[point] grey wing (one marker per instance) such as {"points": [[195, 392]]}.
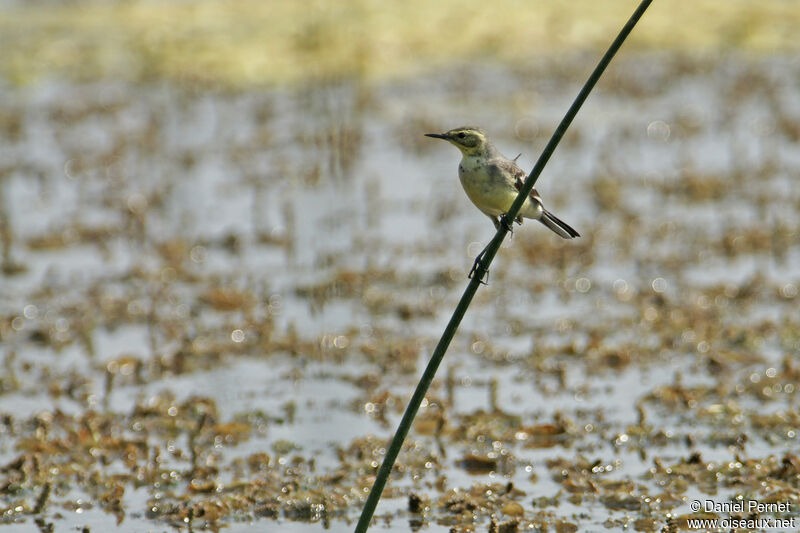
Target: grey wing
{"points": [[506, 170], [515, 176], [519, 181]]}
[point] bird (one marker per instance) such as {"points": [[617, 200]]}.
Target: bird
{"points": [[492, 181]]}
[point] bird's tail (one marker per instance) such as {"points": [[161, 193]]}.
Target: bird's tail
{"points": [[557, 225]]}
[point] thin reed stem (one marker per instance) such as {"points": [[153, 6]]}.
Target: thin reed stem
{"points": [[482, 268]]}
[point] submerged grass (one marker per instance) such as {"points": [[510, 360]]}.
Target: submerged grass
{"points": [[159, 370], [246, 42]]}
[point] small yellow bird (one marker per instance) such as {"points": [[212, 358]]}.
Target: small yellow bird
{"points": [[492, 181]]}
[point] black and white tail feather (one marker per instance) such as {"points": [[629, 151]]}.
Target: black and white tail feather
{"points": [[557, 225]]}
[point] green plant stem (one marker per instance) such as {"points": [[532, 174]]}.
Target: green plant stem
{"points": [[483, 267]]}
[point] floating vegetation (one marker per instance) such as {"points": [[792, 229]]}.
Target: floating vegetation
{"points": [[215, 305]]}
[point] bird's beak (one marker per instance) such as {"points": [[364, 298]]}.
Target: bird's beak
{"points": [[437, 135]]}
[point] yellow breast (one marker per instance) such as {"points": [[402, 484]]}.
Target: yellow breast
{"points": [[489, 195]]}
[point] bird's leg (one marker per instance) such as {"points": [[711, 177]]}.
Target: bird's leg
{"points": [[506, 224], [477, 264], [502, 221]]}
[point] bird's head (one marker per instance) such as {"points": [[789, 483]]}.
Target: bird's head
{"points": [[469, 139]]}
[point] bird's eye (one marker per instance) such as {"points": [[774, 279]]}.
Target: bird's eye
{"points": [[461, 135]]}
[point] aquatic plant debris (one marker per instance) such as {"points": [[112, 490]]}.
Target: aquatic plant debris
{"points": [[182, 347]]}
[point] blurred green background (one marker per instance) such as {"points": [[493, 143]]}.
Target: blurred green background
{"points": [[245, 42]]}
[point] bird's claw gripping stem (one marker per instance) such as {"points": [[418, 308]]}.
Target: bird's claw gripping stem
{"points": [[507, 224], [484, 277]]}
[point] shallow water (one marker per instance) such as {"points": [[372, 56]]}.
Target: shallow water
{"points": [[207, 276]]}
